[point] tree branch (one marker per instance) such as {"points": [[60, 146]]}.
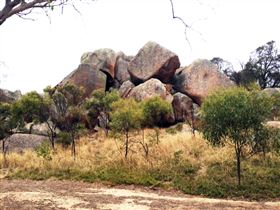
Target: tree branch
{"points": [[181, 20], [17, 7]]}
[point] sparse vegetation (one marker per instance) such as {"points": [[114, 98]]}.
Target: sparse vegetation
{"points": [[180, 161]]}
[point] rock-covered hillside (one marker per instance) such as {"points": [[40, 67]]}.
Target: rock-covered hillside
{"points": [[154, 71]]}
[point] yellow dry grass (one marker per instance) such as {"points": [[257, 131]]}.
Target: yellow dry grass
{"points": [[98, 150]]}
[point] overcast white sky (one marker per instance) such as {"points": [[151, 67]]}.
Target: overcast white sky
{"points": [[39, 53]]}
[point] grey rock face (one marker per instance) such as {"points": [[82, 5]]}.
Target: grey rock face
{"points": [[199, 79], [153, 61]]}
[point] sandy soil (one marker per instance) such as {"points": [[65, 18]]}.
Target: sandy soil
{"points": [[25, 194]]}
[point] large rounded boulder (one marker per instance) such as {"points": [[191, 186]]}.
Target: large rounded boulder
{"points": [[86, 77], [22, 142], [183, 107], [121, 68], [102, 59], [149, 89], [271, 91], [153, 61], [126, 88], [199, 79]]}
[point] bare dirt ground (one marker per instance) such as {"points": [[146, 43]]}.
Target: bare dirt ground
{"points": [[51, 194]]}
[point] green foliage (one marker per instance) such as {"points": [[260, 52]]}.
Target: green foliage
{"points": [[72, 93], [102, 101], [233, 114], [126, 116], [275, 114], [67, 112], [64, 138], [252, 86], [264, 65], [274, 140], [7, 123], [44, 151], [100, 105], [30, 108], [155, 110]]}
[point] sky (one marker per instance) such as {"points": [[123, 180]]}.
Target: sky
{"points": [[40, 52]]}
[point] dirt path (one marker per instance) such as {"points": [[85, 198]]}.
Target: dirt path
{"points": [[77, 195]]}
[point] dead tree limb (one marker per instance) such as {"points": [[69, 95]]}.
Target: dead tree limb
{"points": [[25, 7], [181, 20]]}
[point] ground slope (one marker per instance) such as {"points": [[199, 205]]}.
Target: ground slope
{"points": [[24, 194]]}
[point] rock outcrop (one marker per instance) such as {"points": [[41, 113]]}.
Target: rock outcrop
{"points": [[121, 69], [7, 96], [271, 91], [183, 107], [199, 79], [87, 77], [125, 89], [149, 89], [22, 142], [153, 61], [103, 60], [154, 71]]}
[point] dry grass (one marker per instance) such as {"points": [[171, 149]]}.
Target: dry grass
{"points": [[98, 150], [179, 161]]}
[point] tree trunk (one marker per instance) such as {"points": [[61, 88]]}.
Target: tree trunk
{"points": [[3, 146], [73, 146], [146, 150], [238, 162], [30, 129], [51, 135], [126, 145], [192, 122], [4, 153], [52, 142], [157, 135]]}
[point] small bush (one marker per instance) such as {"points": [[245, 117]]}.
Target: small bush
{"points": [[44, 151], [64, 139]]}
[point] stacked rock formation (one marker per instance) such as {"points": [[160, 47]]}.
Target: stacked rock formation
{"points": [[154, 71]]}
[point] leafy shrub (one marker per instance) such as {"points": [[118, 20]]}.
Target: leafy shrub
{"points": [[44, 151], [64, 139]]}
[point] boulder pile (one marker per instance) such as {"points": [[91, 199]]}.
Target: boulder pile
{"points": [[154, 71]]}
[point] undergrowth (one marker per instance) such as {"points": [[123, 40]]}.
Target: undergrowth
{"points": [[180, 161]]}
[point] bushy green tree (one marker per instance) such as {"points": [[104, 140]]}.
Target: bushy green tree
{"points": [[264, 65], [155, 112], [234, 115], [67, 111], [100, 105], [7, 124], [126, 116], [35, 108], [31, 108]]}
